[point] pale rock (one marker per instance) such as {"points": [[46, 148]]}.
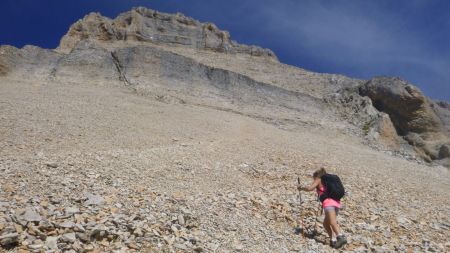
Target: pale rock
{"points": [[181, 220], [35, 246], [31, 215], [138, 232], [67, 224], [79, 228], [72, 210], [51, 242], [93, 199], [82, 237], [68, 238]]}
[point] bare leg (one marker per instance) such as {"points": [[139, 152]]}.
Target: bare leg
{"points": [[326, 224], [331, 214], [332, 220]]}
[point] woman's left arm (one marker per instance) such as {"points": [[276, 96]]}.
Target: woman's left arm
{"points": [[311, 187]]}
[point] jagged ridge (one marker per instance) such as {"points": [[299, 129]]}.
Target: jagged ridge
{"points": [[148, 26]]}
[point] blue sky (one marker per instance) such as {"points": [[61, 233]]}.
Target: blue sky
{"points": [[357, 38]]}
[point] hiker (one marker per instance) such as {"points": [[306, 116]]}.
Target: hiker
{"points": [[330, 207]]}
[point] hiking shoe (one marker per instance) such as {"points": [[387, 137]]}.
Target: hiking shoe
{"points": [[340, 242], [332, 243]]}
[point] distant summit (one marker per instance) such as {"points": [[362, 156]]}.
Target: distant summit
{"points": [[144, 25]]}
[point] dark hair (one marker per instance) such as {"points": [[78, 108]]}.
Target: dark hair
{"points": [[319, 173]]}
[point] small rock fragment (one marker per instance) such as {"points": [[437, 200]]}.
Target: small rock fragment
{"points": [[31, 215], [8, 240], [72, 210], [93, 200], [51, 242], [35, 246], [181, 220], [67, 224], [52, 165], [69, 237]]}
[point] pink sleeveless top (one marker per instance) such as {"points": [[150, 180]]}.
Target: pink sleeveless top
{"points": [[328, 201]]}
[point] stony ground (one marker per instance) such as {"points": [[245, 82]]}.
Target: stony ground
{"points": [[88, 168]]}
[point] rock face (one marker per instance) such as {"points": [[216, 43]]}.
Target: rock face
{"points": [[442, 109], [157, 55], [87, 61], [3, 69], [28, 63], [376, 126], [148, 26], [413, 115], [193, 82]]}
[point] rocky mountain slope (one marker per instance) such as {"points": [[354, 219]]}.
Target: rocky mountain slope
{"points": [[155, 132]]}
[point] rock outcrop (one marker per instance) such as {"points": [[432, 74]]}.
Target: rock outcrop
{"points": [[413, 115], [376, 126], [409, 109], [87, 62], [28, 63], [3, 69], [442, 110], [143, 25]]}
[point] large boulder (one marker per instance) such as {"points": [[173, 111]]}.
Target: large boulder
{"points": [[414, 116], [409, 109], [384, 131]]}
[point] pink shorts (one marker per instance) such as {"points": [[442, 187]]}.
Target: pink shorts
{"points": [[329, 202]]}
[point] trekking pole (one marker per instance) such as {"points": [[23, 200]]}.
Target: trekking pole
{"points": [[300, 201], [316, 223]]}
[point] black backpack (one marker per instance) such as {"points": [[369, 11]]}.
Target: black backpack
{"points": [[334, 187]]}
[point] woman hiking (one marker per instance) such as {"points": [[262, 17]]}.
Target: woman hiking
{"points": [[330, 206]]}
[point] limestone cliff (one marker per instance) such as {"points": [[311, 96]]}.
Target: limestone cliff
{"points": [[148, 26], [177, 59]]}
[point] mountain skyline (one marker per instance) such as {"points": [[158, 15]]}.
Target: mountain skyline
{"points": [[352, 38]]}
